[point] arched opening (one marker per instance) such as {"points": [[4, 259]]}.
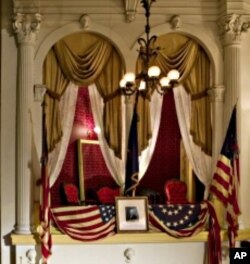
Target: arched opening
{"points": [[82, 60]]}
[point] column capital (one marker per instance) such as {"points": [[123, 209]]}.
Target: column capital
{"points": [[26, 26], [231, 27], [217, 93]]}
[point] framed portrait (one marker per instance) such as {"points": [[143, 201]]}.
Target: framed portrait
{"points": [[131, 214]]}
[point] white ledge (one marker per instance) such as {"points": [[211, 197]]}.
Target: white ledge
{"points": [[128, 238]]}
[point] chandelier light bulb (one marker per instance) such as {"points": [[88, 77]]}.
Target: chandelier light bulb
{"points": [[122, 83], [97, 129], [142, 85], [164, 81], [174, 75], [129, 77], [154, 71]]}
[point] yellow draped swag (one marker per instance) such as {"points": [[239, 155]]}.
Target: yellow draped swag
{"points": [[84, 58], [186, 55]]}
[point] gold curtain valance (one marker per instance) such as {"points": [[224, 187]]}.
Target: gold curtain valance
{"points": [[187, 56], [84, 58]]}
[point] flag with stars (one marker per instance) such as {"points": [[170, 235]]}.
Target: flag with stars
{"points": [[179, 220], [85, 223]]}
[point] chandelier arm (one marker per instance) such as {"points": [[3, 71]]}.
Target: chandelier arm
{"points": [[149, 77], [129, 89], [142, 42]]}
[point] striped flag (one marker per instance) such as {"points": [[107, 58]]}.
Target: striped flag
{"points": [[85, 223], [44, 228], [226, 179]]}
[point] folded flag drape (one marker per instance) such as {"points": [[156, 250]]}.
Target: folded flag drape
{"points": [[225, 180], [85, 223], [181, 220]]}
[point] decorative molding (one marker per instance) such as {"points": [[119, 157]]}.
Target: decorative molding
{"points": [[175, 22], [129, 255], [39, 92], [85, 21], [31, 256], [217, 93], [123, 238], [26, 26], [130, 10], [233, 25]]}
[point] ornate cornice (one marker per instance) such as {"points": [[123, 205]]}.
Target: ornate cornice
{"points": [[26, 26], [232, 26]]}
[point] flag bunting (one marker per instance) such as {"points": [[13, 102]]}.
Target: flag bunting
{"points": [[85, 223]]}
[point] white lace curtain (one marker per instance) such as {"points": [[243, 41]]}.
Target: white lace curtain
{"points": [[67, 107], [155, 116], [200, 162], [115, 165]]}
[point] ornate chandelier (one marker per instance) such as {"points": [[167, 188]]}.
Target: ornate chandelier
{"points": [[150, 76]]}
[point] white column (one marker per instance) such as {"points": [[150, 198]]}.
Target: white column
{"points": [[217, 101], [26, 26], [231, 28]]}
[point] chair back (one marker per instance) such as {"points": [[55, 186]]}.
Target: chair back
{"points": [[176, 192]]}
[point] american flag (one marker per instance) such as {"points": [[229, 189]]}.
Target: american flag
{"points": [[226, 179], [180, 220], [85, 223]]}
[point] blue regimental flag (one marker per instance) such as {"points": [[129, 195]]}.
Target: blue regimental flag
{"points": [[132, 163]]}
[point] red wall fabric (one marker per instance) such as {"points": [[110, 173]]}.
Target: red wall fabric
{"points": [[68, 174], [165, 162]]}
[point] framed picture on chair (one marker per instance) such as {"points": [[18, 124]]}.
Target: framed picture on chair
{"points": [[131, 214]]}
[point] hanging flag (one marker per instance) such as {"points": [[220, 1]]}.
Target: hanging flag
{"points": [[44, 228], [226, 179], [132, 163]]}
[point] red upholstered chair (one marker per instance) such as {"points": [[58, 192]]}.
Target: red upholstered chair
{"points": [[71, 194], [106, 195], [176, 192]]}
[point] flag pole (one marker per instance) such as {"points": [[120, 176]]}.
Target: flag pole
{"points": [[132, 164]]}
